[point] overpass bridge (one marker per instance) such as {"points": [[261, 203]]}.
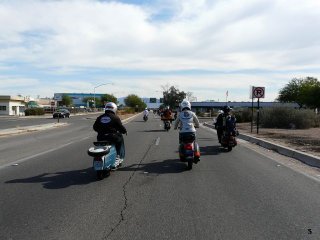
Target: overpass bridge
{"points": [[207, 106]]}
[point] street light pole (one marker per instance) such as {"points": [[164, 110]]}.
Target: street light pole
{"points": [[94, 93]]}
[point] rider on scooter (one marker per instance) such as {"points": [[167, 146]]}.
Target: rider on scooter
{"points": [[145, 112], [167, 114], [187, 120], [109, 128], [225, 122]]}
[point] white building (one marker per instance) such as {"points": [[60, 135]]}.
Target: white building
{"points": [[12, 105]]}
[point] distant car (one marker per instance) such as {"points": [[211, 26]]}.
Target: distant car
{"points": [[61, 113]]}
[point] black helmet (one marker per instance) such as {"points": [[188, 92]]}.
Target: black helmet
{"points": [[226, 109]]}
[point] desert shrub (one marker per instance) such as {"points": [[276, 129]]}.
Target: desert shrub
{"points": [[317, 121], [203, 114], [34, 111], [128, 110], [280, 117], [243, 115]]}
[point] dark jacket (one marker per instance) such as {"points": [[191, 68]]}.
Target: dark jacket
{"points": [[226, 122], [219, 121], [108, 123]]}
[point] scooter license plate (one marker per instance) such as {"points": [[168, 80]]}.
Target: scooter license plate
{"points": [[188, 152], [98, 164]]}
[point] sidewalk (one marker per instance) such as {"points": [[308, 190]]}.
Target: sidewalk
{"points": [[306, 158]]}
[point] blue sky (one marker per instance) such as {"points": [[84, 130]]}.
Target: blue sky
{"points": [[199, 46]]}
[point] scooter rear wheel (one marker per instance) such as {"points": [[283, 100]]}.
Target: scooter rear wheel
{"points": [[100, 175], [189, 164]]}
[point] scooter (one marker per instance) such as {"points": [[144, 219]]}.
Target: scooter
{"points": [[104, 158], [175, 116], [167, 125], [228, 140], [189, 150], [145, 118]]}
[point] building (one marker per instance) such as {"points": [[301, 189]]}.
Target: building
{"points": [[12, 105], [42, 103], [77, 98]]}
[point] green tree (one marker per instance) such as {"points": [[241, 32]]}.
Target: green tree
{"points": [[108, 98], [66, 100], [90, 100], [134, 101], [303, 91], [172, 97], [310, 92]]}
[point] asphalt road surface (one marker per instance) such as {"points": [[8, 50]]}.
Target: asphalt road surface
{"points": [[14, 121], [48, 189]]}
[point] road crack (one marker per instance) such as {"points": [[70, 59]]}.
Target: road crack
{"points": [[124, 189]]}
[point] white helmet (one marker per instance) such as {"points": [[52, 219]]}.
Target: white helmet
{"points": [[185, 104], [110, 106]]}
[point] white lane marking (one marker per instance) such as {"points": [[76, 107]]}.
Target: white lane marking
{"points": [[157, 141], [127, 120], [16, 163]]}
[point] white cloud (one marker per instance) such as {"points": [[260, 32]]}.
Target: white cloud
{"points": [[9, 81], [110, 34], [209, 35]]}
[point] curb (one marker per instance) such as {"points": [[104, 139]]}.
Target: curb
{"points": [[308, 159], [33, 128]]}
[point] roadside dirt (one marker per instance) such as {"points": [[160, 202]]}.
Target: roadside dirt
{"points": [[305, 140]]}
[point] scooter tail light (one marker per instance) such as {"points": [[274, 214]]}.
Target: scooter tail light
{"points": [[197, 154], [188, 146]]}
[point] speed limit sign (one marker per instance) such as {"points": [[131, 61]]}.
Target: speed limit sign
{"points": [[258, 92]]}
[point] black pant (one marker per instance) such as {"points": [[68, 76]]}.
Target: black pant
{"points": [[219, 133], [187, 136], [116, 139]]}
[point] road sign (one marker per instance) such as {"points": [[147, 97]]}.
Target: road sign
{"points": [[258, 92], [153, 100]]}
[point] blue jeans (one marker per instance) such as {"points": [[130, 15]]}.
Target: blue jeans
{"points": [[116, 139]]}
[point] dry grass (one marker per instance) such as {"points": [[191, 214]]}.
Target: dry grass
{"points": [[306, 140]]}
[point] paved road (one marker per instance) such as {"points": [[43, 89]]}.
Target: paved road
{"points": [[14, 121], [53, 194]]}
